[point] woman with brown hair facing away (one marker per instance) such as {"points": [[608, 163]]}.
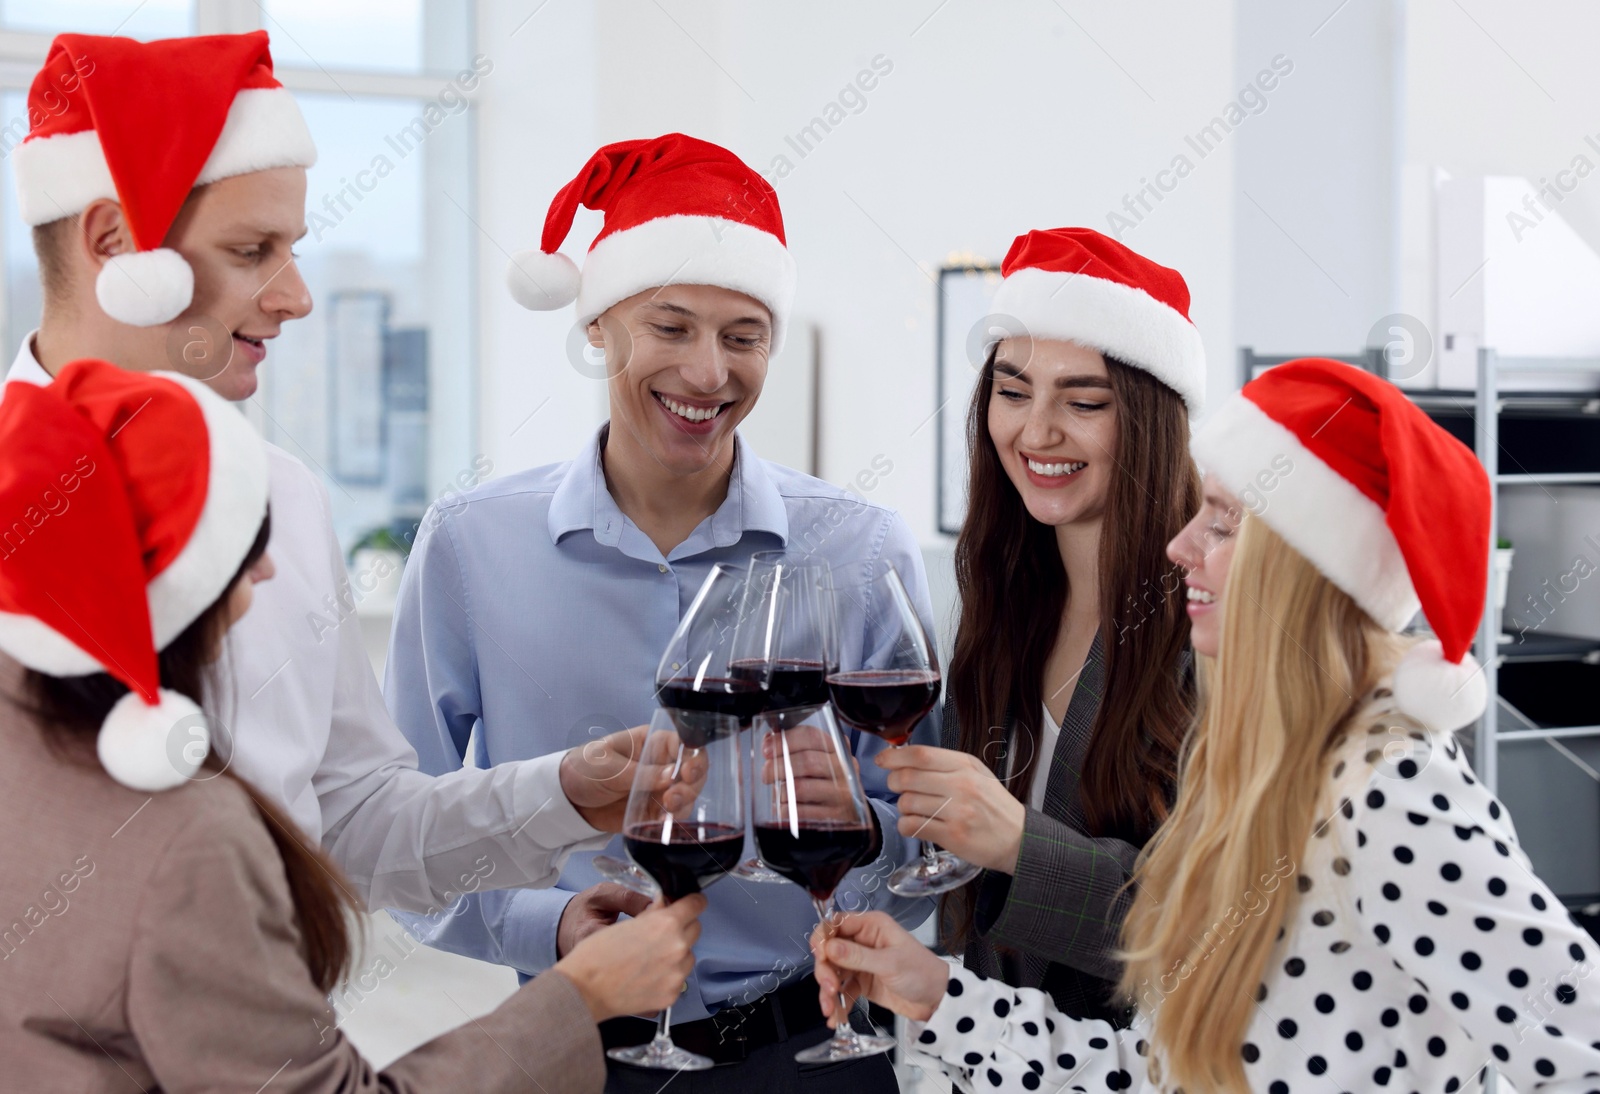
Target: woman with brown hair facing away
{"points": [[1336, 902], [1070, 686], [171, 930]]}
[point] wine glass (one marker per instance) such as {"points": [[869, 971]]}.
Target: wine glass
{"points": [[684, 828], [813, 825], [788, 607], [886, 687]]}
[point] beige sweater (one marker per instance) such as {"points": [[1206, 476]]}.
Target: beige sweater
{"points": [[149, 942]]}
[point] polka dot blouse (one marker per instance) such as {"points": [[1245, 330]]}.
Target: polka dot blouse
{"points": [[1421, 948]]}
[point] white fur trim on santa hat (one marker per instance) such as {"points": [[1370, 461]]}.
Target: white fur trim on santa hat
{"points": [[689, 250], [236, 503], [145, 288], [60, 176], [540, 281], [1118, 320], [42, 648], [153, 748], [265, 129], [1316, 510], [1443, 694]]}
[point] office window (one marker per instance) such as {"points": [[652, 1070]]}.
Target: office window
{"points": [[374, 391], [150, 19]]}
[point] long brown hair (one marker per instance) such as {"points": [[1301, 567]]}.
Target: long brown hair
{"points": [[1014, 590], [1296, 657], [70, 709]]}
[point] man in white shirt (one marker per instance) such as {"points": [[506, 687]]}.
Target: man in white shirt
{"points": [[150, 262]]}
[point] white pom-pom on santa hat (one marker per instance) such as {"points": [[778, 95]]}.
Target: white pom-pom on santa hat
{"points": [[542, 281], [138, 746], [1437, 692], [145, 288]]}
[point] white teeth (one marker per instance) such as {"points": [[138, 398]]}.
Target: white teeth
{"points": [[1200, 596], [1055, 468], [692, 413]]}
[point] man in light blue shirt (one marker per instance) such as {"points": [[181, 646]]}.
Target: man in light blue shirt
{"points": [[535, 608]]}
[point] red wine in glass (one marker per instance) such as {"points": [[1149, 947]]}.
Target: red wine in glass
{"points": [[815, 855], [686, 697], [691, 857], [792, 682], [887, 703]]}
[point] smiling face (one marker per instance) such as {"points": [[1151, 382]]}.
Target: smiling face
{"points": [[1053, 423], [238, 234], [686, 364], [1205, 551]]}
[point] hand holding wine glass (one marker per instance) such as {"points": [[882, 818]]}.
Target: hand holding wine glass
{"points": [[885, 686], [685, 814], [639, 964], [596, 777], [869, 955], [952, 799], [813, 824]]}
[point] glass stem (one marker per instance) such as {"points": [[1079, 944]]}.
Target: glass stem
{"points": [[844, 1033], [664, 1027], [930, 855]]}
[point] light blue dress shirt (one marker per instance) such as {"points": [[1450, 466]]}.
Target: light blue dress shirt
{"points": [[532, 609]]}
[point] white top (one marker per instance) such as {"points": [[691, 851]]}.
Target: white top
{"points": [[1050, 729], [310, 730], [1420, 947]]}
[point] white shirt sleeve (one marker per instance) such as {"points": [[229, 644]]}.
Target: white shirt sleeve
{"points": [[406, 839]]}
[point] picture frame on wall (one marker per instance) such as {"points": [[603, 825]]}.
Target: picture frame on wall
{"points": [[965, 296]]}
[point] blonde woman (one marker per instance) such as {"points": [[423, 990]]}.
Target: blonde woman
{"points": [[1336, 902]]}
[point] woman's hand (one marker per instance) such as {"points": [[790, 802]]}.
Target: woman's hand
{"points": [[870, 954], [640, 965], [952, 799]]}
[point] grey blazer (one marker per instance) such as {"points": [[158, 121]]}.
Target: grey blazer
{"points": [[1054, 923]]}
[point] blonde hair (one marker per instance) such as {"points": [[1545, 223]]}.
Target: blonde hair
{"points": [[1296, 656]]}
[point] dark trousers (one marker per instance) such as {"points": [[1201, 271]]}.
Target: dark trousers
{"points": [[770, 1069]]}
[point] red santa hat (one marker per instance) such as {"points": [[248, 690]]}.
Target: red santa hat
{"points": [[1077, 285], [127, 503], [1386, 504], [678, 211], [143, 123]]}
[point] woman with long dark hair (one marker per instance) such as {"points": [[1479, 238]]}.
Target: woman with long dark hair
{"points": [[1336, 902], [1069, 688], [167, 926]]}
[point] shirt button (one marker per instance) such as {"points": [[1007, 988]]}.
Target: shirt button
{"points": [[662, 567], [675, 665]]}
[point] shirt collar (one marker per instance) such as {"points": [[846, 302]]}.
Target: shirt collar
{"points": [[26, 366], [581, 501]]}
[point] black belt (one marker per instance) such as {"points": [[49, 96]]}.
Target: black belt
{"points": [[733, 1033]]}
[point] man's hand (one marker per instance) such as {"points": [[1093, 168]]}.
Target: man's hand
{"points": [[595, 909], [596, 777], [952, 799]]}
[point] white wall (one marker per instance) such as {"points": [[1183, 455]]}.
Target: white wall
{"points": [[1317, 253], [994, 119], [535, 128]]}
